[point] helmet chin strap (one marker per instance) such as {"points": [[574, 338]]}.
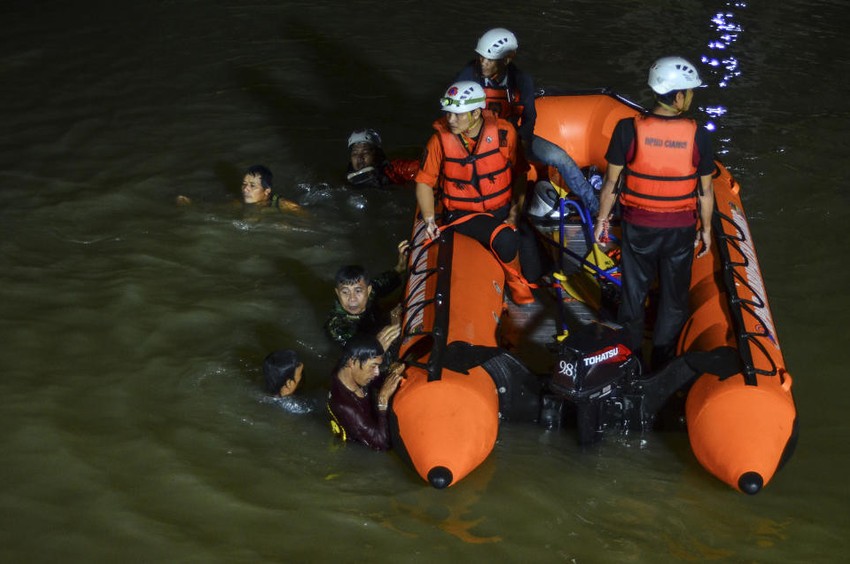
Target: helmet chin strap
{"points": [[674, 110], [475, 126]]}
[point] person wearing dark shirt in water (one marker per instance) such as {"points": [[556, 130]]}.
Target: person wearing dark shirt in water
{"points": [[358, 411]]}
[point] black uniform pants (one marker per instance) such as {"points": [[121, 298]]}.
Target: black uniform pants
{"points": [[481, 227], [667, 253]]}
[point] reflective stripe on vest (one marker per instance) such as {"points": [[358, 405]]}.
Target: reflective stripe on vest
{"points": [[662, 176]]}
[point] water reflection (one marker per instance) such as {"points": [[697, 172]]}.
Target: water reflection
{"points": [[719, 57], [729, 31], [134, 330]]}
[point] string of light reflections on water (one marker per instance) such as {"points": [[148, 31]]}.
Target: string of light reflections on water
{"points": [[720, 58]]}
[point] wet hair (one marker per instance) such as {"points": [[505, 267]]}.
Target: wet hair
{"points": [[351, 274], [263, 172], [361, 347], [278, 369]]}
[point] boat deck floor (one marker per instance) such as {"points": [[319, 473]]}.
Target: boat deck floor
{"points": [[530, 331]]}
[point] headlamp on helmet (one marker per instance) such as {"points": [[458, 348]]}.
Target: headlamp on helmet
{"points": [[462, 97]]}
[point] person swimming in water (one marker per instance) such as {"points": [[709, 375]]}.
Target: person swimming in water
{"points": [[368, 166], [257, 192], [282, 372]]}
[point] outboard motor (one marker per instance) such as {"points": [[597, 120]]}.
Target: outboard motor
{"points": [[596, 373]]}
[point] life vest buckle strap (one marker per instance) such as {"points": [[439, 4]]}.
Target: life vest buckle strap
{"points": [[629, 172]]}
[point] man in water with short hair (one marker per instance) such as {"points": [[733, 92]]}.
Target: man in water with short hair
{"points": [[257, 192], [357, 411], [357, 308]]}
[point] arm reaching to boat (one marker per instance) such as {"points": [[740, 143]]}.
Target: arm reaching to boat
{"points": [[607, 198], [390, 385], [706, 210], [425, 199], [358, 412], [388, 334]]}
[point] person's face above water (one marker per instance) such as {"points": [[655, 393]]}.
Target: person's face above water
{"points": [[365, 372], [362, 155], [253, 191], [354, 297], [292, 384]]}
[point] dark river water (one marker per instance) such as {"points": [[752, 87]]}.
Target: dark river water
{"points": [[133, 426]]}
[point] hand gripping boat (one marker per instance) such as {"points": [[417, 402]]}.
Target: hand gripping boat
{"points": [[740, 413], [459, 384]]}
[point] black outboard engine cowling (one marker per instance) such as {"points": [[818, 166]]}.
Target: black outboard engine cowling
{"points": [[596, 373]]}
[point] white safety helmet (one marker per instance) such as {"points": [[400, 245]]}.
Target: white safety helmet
{"points": [[544, 202], [673, 73], [496, 44], [463, 96], [364, 136]]}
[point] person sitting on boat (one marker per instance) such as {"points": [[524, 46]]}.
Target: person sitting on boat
{"points": [[510, 95], [368, 166], [358, 411], [666, 164], [357, 308], [470, 159], [282, 372]]}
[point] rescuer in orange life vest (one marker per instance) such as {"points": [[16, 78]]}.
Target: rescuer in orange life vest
{"points": [[666, 165], [471, 159], [510, 95]]}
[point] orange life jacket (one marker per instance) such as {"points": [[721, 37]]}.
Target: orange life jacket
{"points": [[662, 176], [480, 181], [504, 102]]}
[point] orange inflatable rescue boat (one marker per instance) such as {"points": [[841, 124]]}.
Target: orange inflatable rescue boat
{"points": [[445, 421], [740, 413], [458, 386], [742, 421]]}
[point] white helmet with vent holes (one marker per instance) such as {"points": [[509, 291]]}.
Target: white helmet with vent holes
{"points": [[463, 96], [673, 73], [496, 44]]}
